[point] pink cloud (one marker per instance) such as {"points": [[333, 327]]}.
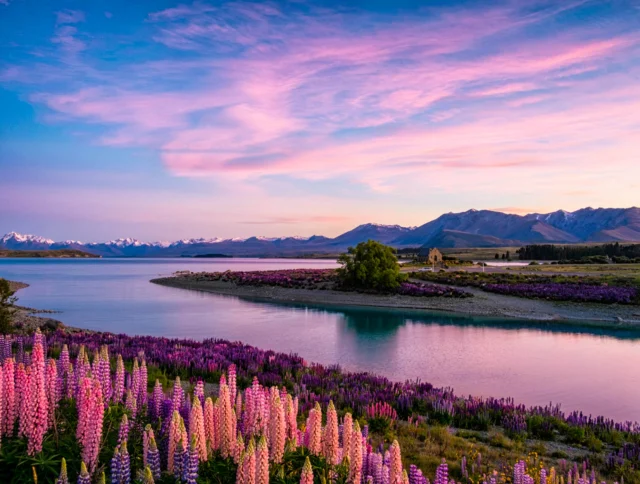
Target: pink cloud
{"points": [[424, 101]]}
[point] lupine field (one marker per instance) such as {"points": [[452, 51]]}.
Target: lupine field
{"points": [[314, 279], [98, 407], [553, 287]]}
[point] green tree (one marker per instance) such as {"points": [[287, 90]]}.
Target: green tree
{"points": [[371, 265], [7, 302]]}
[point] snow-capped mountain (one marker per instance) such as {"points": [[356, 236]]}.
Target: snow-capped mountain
{"points": [[473, 228]]}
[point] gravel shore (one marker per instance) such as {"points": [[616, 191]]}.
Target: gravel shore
{"points": [[24, 319], [482, 304]]}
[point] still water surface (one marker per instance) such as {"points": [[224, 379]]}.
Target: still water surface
{"points": [[594, 371]]}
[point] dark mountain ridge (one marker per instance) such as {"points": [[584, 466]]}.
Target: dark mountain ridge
{"points": [[473, 228]]}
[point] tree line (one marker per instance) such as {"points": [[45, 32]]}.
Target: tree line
{"points": [[577, 252]]}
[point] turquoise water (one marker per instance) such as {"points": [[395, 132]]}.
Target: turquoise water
{"points": [[593, 371]]}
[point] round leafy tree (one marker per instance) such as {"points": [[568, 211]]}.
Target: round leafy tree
{"points": [[370, 265]]}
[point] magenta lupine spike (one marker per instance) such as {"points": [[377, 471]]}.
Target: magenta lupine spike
{"points": [[306, 476], [93, 434], [147, 433], [355, 459], [442, 473], [38, 403], [51, 383], [9, 397], [247, 415], [1, 400], [277, 431], [83, 405], [23, 398], [395, 464], [347, 433], [209, 423], [262, 462], [118, 387], [157, 398], [142, 395], [543, 476], [232, 383], [330, 439], [196, 429]]}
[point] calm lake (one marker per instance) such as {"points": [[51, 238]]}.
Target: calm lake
{"points": [[594, 371]]}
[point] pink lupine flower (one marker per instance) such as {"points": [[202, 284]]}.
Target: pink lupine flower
{"points": [[347, 432], [147, 436], [196, 429], [135, 379], [232, 383], [278, 428], [314, 430], [395, 464], [227, 417], [198, 391], [8, 396], [104, 372], [238, 450], [93, 436], [1, 399], [355, 459], [123, 431], [238, 407], [23, 397], [209, 423], [249, 464], [52, 389], [247, 415], [306, 476], [262, 462], [217, 425], [83, 404], [118, 390], [38, 403], [177, 396], [174, 438], [291, 418], [330, 436], [240, 477]]}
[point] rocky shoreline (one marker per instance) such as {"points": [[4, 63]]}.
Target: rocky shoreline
{"points": [[482, 304], [25, 319]]}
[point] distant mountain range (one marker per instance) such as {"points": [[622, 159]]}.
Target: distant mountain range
{"points": [[473, 228]]}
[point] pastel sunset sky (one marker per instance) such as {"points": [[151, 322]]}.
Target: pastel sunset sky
{"points": [[163, 120]]}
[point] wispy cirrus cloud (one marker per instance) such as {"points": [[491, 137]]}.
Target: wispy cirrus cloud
{"points": [[443, 94]]}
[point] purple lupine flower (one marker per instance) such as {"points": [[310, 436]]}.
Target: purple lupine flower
{"points": [[191, 466], [153, 458], [157, 399], [442, 473]]}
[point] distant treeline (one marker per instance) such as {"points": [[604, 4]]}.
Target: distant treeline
{"points": [[615, 252]]}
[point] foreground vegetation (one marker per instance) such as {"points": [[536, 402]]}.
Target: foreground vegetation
{"points": [[271, 418]]}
